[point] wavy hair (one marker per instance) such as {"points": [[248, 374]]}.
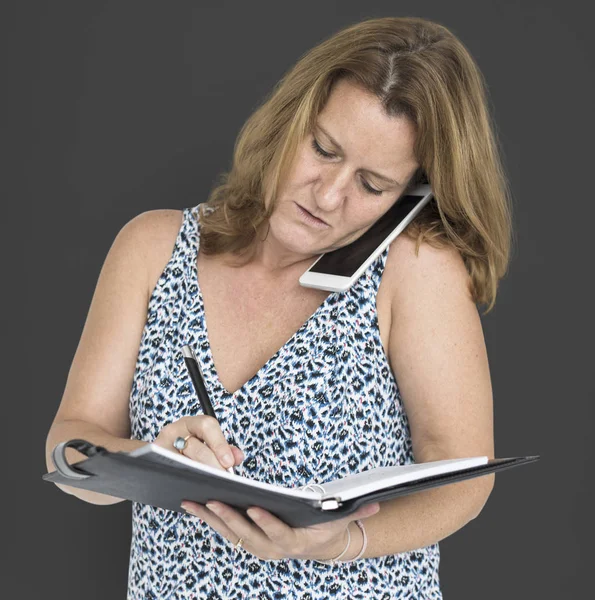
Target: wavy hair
{"points": [[418, 69]]}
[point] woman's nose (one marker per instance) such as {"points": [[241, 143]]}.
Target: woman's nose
{"points": [[333, 189]]}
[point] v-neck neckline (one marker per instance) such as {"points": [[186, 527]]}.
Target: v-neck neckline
{"points": [[194, 260]]}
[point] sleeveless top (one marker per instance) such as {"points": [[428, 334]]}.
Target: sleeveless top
{"points": [[325, 406]]}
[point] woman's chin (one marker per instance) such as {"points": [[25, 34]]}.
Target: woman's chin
{"points": [[306, 242]]}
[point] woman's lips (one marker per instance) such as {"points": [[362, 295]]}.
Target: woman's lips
{"points": [[309, 218]]}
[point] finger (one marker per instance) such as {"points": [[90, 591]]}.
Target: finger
{"points": [[208, 430], [242, 527], [361, 513], [200, 452], [365, 511], [211, 519], [238, 455], [274, 529]]}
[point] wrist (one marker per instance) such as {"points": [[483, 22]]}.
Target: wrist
{"points": [[356, 545], [335, 553]]}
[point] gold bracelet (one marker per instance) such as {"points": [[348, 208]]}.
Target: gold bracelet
{"points": [[332, 561]]}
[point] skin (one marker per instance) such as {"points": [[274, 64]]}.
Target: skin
{"points": [[333, 188], [434, 341], [436, 345]]}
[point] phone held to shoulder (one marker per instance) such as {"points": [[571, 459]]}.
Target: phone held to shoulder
{"points": [[338, 270]]}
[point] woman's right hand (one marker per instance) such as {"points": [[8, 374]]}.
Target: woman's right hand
{"points": [[206, 444]]}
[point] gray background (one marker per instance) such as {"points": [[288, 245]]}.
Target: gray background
{"points": [[130, 106]]}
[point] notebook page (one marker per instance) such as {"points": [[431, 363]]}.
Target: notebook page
{"points": [[157, 454], [379, 478]]}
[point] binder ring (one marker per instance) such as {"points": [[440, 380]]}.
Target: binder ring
{"points": [[61, 464], [311, 487]]}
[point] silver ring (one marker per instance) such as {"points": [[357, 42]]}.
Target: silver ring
{"points": [[181, 442]]}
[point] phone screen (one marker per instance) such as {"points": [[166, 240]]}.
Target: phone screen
{"points": [[346, 260]]}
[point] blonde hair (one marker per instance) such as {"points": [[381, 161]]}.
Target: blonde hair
{"points": [[418, 69]]}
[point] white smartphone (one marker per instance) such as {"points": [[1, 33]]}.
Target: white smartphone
{"points": [[336, 271]]}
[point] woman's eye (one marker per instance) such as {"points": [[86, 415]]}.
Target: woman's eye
{"points": [[319, 150], [365, 184], [371, 189]]}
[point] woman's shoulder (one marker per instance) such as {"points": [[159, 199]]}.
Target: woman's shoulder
{"points": [[423, 270], [158, 229], [155, 233]]}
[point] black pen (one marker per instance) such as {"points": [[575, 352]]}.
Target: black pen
{"points": [[199, 384]]}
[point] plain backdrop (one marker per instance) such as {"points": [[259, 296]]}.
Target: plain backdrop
{"points": [[128, 106]]}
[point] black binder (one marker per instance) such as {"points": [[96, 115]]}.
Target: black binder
{"points": [[162, 478]]}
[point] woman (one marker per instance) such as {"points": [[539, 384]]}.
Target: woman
{"points": [[310, 386]]}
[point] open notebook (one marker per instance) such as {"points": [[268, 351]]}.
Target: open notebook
{"points": [[164, 478]]}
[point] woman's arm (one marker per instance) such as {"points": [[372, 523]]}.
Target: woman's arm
{"points": [[64, 430], [95, 402], [438, 355]]}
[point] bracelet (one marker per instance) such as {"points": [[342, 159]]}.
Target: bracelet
{"points": [[365, 543], [332, 561]]}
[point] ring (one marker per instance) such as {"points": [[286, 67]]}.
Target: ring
{"points": [[181, 442], [239, 544]]}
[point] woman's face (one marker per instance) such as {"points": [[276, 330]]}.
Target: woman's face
{"points": [[340, 189]]}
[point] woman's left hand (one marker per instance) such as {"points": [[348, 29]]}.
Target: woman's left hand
{"points": [[272, 539]]}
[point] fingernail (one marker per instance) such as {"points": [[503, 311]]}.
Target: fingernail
{"points": [[187, 509], [227, 460], [253, 514], [213, 508]]}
